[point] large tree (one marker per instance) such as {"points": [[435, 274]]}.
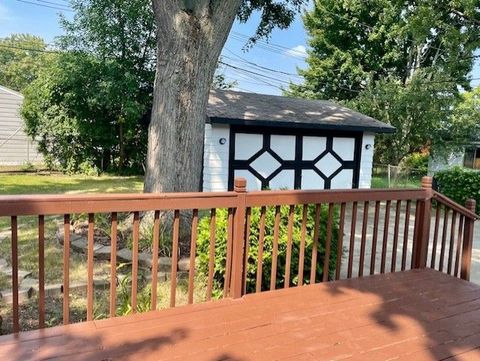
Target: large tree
{"points": [[21, 58], [403, 62], [356, 42], [190, 37]]}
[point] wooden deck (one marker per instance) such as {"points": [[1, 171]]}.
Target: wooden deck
{"points": [[412, 315]]}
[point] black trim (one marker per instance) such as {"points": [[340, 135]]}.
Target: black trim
{"points": [[297, 165], [304, 125]]}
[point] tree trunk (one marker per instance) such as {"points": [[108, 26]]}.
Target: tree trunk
{"points": [[190, 37]]}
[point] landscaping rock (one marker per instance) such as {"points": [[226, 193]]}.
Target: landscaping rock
{"points": [[23, 295], [103, 253], [3, 265], [80, 245], [29, 283], [182, 275], [53, 289], [144, 260], [184, 264], [21, 274], [164, 264], [124, 255]]}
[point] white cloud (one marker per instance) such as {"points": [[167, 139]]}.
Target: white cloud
{"points": [[299, 51]]}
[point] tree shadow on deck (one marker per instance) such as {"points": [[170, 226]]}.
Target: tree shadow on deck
{"points": [[420, 318], [91, 346]]}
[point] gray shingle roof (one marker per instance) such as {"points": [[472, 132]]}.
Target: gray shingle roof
{"points": [[230, 107]]}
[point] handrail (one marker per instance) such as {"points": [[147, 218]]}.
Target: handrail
{"points": [[454, 205]]}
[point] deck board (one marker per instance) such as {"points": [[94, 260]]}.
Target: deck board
{"points": [[413, 315]]}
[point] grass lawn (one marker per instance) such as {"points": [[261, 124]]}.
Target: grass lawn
{"points": [[382, 182], [31, 183], [34, 183]]}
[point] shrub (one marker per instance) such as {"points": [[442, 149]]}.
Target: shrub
{"points": [[417, 163], [459, 184], [221, 245]]}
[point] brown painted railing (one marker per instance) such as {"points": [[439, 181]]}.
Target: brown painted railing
{"points": [[377, 250]]}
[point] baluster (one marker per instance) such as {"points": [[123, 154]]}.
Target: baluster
{"points": [[193, 254], [435, 237], [90, 267], [173, 273], [395, 236], [211, 256], [316, 232], [301, 259], [113, 266], [459, 244], [373, 257], [247, 249], [289, 246], [385, 236], [444, 237], [352, 239], [228, 268], [452, 242], [276, 230], [326, 264], [340, 241], [261, 238], [15, 311], [66, 269], [405, 235], [363, 239], [136, 236], [155, 250], [41, 271]]}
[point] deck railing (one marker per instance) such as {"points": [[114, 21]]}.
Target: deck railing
{"points": [[352, 240]]}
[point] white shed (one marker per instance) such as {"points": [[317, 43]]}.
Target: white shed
{"points": [[16, 148], [280, 142]]}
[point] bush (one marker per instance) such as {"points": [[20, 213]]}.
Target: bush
{"points": [[221, 245], [459, 184], [417, 163]]}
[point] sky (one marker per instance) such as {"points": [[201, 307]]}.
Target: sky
{"points": [[251, 69]]}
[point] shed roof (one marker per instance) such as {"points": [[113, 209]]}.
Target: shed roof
{"points": [[231, 107]]}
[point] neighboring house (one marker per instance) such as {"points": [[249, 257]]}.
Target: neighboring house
{"points": [[281, 142], [16, 148], [469, 158]]}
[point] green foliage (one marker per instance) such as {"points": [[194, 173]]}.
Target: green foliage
{"points": [[416, 164], [356, 42], [221, 246], [124, 295], [402, 62], [84, 116], [459, 184], [21, 58], [421, 111]]}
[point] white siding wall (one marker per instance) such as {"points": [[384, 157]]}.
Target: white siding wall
{"points": [[366, 162], [215, 158], [15, 147]]}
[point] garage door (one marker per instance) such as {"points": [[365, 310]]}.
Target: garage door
{"points": [[294, 159]]}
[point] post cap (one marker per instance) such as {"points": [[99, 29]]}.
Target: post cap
{"points": [[471, 204], [427, 182], [240, 184]]}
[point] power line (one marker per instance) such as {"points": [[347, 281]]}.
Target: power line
{"points": [[46, 6]]}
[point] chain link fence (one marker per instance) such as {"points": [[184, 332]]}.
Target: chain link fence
{"points": [[391, 176]]}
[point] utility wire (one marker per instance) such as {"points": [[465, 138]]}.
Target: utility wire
{"points": [[46, 6]]}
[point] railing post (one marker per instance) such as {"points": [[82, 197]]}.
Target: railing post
{"points": [[240, 187], [422, 231], [467, 241]]}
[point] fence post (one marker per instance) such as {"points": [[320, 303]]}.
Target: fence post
{"points": [[422, 225], [467, 241], [240, 187]]}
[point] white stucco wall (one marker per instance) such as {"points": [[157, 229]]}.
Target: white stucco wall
{"points": [[366, 161], [216, 159]]}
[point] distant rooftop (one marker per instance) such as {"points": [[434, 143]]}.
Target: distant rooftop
{"points": [[231, 107]]}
